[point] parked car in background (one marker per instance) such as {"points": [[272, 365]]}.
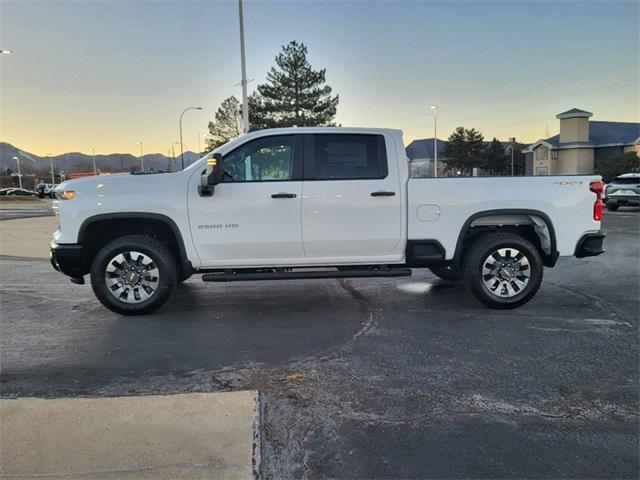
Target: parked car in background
{"points": [[7, 192], [623, 191], [46, 190]]}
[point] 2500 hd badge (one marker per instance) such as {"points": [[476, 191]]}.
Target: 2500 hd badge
{"points": [[218, 225]]}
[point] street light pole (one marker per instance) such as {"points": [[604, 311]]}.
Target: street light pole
{"points": [[139, 142], [245, 102], [435, 139], [93, 151], [17, 159], [181, 150], [53, 178]]}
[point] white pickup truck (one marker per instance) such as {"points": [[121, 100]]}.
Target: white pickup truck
{"points": [[301, 203]]}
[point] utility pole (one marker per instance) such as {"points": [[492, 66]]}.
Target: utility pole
{"points": [[435, 139], [53, 178], [245, 105]]}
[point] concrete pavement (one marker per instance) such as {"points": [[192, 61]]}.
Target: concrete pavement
{"points": [[27, 237], [185, 436]]}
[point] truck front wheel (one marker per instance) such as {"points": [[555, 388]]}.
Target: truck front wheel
{"points": [[503, 270], [133, 275]]}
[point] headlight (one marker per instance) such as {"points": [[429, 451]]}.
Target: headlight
{"points": [[66, 195]]}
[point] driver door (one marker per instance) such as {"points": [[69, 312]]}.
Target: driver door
{"points": [[254, 215]]}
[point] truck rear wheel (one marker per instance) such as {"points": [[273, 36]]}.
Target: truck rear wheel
{"points": [[133, 275], [503, 270]]}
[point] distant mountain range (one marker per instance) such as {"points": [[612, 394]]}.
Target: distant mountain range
{"points": [[80, 162]]}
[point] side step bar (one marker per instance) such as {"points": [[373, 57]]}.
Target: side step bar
{"points": [[253, 276]]}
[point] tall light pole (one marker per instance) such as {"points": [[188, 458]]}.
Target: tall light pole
{"points": [[181, 150], [245, 103], [53, 178], [435, 139], [139, 142], [17, 159], [93, 152], [180, 145]]}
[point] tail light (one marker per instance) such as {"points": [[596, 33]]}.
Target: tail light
{"points": [[597, 188]]}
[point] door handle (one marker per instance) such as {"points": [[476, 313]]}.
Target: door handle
{"points": [[382, 193], [283, 195]]}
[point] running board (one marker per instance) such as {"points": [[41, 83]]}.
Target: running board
{"points": [[254, 276]]}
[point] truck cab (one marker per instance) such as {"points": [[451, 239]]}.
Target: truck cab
{"points": [[304, 199]]}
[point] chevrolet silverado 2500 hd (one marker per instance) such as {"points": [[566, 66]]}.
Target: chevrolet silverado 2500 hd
{"points": [[288, 203]]}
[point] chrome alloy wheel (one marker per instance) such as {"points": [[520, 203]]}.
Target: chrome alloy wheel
{"points": [[132, 277], [506, 272]]}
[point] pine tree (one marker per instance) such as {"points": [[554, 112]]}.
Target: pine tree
{"points": [[227, 124], [464, 150], [494, 158], [294, 93]]}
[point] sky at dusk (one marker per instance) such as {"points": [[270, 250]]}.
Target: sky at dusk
{"points": [[106, 74]]}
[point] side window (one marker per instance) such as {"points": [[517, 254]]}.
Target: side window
{"points": [[348, 157], [261, 160]]}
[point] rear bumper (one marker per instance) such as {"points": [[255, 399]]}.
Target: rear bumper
{"points": [[69, 259], [590, 245], [625, 200]]}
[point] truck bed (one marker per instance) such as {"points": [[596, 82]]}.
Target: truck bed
{"points": [[437, 207]]}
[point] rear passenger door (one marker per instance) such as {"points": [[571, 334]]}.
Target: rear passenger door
{"points": [[351, 199]]}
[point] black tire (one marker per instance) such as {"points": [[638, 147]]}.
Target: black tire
{"points": [[150, 248], [449, 274], [481, 255], [612, 206]]}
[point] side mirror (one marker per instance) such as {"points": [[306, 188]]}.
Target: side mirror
{"points": [[213, 175]]}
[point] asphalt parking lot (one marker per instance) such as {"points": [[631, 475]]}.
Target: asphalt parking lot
{"points": [[25, 208], [370, 378]]}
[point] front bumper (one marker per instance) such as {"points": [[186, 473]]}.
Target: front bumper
{"points": [[69, 259], [590, 245]]}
